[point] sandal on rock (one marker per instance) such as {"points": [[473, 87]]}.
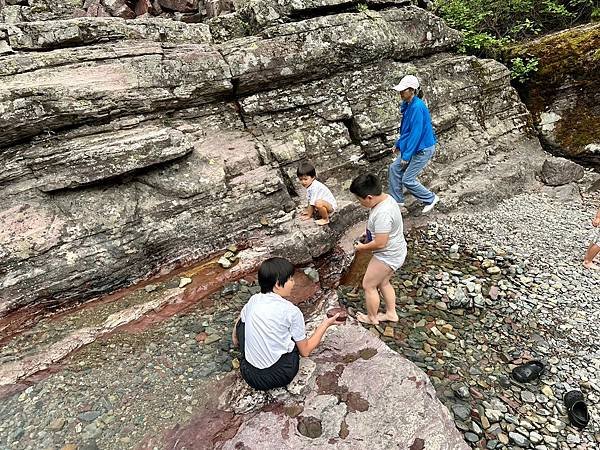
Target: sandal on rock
{"points": [[528, 372], [576, 409]]}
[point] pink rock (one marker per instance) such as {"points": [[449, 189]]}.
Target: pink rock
{"points": [[359, 387], [201, 337], [143, 7], [494, 292], [119, 8], [343, 314]]}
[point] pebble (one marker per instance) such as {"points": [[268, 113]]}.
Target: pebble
{"points": [[89, 416], [184, 282], [471, 437], [518, 439]]}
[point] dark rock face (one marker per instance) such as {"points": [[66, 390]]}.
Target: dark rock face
{"points": [[180, 5], [564, 94], [560, 171], [129, 147]]}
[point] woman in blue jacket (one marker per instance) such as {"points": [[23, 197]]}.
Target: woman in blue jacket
{"points": [[416, 146]]}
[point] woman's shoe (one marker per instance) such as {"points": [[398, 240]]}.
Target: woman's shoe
{"points": [[528, 371], [577, 410], [429, 207]]}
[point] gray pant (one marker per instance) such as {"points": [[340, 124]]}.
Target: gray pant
{"points": [[399, 178]]}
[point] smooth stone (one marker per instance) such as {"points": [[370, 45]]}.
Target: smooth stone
{"points": [[89, 416], [518, 439], [184, 281], [471, 437], [461, 411]]}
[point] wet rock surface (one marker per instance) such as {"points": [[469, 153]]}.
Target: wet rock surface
{"points": [[482, 293], [479, 294]]}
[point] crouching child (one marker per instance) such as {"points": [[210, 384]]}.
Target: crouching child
{"points": [[320, 198], [271, 332]]}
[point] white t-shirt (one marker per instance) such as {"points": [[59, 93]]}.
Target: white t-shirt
{"points": [[385, 217], [273, 325], [318, 191]]}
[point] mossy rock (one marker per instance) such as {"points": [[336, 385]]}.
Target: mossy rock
{"points": [[567, 83]]}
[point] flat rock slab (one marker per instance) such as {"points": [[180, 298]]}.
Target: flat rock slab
{"points": [[83, 161], [395, 406], [90, 30]]}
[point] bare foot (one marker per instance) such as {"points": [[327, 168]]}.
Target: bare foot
{"points": [[591, 265], [389, 317], [322, 222], [365, 319]]}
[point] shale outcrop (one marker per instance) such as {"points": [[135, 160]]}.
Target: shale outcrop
{"points": [[133, 146]]}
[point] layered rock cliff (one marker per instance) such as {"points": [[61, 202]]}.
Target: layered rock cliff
{"points": [[129, 147]]}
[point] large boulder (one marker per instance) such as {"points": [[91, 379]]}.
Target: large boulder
{"points": [[90, 30], [563, 95], [560, 171], [332, 404], [132, 147]]}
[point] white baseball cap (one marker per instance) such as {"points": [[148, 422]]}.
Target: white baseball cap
{"points": [[409, 81]]}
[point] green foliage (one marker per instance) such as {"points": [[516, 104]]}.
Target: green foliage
{"points": [[522, 69], [362, 7], [489, 25]]}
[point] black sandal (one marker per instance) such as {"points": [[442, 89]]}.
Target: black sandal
{"points": [[528, 372], [576, 409]]}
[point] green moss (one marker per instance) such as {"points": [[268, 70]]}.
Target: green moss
{"points": [[569, 52], [570, 56], [578, 128]]}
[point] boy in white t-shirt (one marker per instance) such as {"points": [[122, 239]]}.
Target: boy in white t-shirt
{"points": [[270, 330], [385, 239], [319, 196]]}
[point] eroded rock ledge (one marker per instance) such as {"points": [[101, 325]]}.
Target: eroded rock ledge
{"points": [[134, 146]]}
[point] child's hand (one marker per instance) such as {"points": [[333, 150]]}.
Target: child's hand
{"points": [[596, 221], [304, 216], [359, 247], [332, 320]]}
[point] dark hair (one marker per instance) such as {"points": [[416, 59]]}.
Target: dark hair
{"points": [[365, 184], [306, 168], [419, 92], [273, 271]]}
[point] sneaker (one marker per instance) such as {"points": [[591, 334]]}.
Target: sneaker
{"points": [[429, 207]]}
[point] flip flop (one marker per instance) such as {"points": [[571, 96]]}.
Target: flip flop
{"points": [[576, 409], [528, 372]]}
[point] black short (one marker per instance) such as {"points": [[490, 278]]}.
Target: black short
{"points": [[278, 375]]}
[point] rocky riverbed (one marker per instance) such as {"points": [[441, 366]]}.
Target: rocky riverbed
{"points": [[479, 293], [483, 292]]}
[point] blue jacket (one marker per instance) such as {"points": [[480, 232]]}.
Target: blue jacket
{"points": [[416, 131]]}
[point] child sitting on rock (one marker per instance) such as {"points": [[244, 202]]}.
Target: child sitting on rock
{"points": [[319, 196], [270, 330], [594, 248], [385, 239]]}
